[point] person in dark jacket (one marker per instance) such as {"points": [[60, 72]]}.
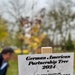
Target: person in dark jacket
{"points": [[5, 56]]}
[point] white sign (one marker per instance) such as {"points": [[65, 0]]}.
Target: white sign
{"points": [[46, 64]]}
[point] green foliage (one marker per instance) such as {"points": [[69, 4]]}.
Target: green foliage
{"points": [[3, 30], [69, 45]]}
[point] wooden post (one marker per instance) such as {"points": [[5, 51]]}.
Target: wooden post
{"points": [[45, 50]]}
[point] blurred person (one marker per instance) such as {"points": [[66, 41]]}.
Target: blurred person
{"points": [[5, 56]]}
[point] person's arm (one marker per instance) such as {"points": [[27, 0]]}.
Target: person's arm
{"points": [[3, 70], [1, 60]]}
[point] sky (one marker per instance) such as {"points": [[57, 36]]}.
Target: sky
{"points": [[40, 4]]}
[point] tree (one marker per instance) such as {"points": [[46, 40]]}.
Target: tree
{"points": [[17, 11], [46, 42], [69, 44], [35, 41], [59, 19], [3, 32]]}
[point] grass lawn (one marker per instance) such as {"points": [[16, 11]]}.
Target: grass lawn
{"points": [[13, 68]]}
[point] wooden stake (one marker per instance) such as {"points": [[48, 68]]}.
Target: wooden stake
{"points": [[45, 50]]}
